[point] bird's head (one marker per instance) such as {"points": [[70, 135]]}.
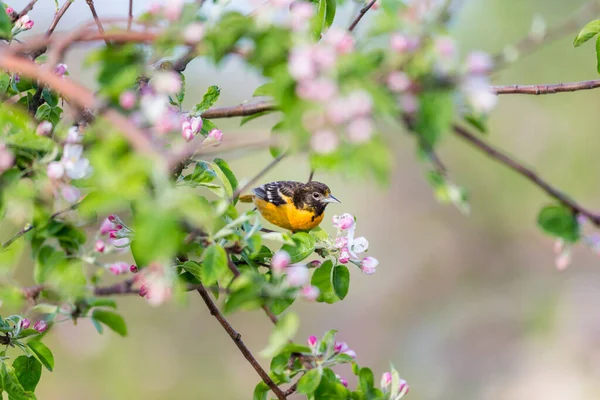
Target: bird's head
{"points": [[314, 196]]}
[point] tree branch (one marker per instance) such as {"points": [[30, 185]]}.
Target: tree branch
{"points": [[241, 110], [26, 9], [130, 15], [252, 181], [525, 172], [546, 89], [361, 14], [52, 27], [237, 339], [90, 4]]}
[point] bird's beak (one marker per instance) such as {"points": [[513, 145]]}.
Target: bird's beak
{"points": [[330, 199]]}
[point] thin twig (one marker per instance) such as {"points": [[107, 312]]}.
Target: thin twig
{"points": [[291, 389], [90, 4], [546, 89], [532, 43], [27, 8], [41, 50], [252, 181], [310, 176], [361, 14], [130, 16], [237, 339], [526, 172], [241, 110]]}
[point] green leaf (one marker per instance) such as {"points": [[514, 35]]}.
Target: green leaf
{"points": [[43, 112], [4, 82], [157, 234], [266, 89], [214, 265], [111, 319], [341, 281], [322, 279], [201, 175], [101, 302], [254, 116], [588, 32], [210, 97], [310, 381], [559, 221], [260, 391], [330, 6], [97, 325], [5, 23], [42, 353], [226, 171], [436, 112], [193, 268], [285, 329], [366, 379], [280, 305], [11, 385], [28, 371], [304, 246], [478, 122], [598, 54], [30, 141]]}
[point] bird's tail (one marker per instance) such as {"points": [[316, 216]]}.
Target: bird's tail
{"points": [[247, 198]]}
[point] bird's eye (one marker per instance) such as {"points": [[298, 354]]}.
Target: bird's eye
{"points": [[316, 195]]}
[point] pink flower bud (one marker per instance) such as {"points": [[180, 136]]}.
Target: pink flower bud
{"points": [[310, 292], [341, 242], [445, 46], [479, 63], [112, 234], [196, 124], [143, 290], [344, 256], [386, 380], [360, 130], [193, 33], [28, 24], [55, 170], [314, 264], [280, 261], [133, 268], [214, 138], [106, 226], [342, 380], [118, 227], [324, 141], [360, 103], [312, 341], [350, 353], [40, 326], [173, 9], [368, 265], [7, 158], [25, 323], [399, 43], [100, 246], [187, 135], [118, 268], [343, 222], [127, 100], [398, 82], [340, 347], [340, 40], [60, 69], [70, 193], [44, 128], [10, 10], [112, 218], [297, 276], [402, 389]]}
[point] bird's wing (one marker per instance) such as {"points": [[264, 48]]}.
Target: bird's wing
{"points": [[277, 193]]}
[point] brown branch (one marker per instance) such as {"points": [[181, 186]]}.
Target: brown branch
{"points": [[361, 14], [26, 9], [311, 175], [291, 389], [237, 339], [51, 28], [130, 15], [260, 174], [546, 89], [82, 97], [90, 4], [525, 172], [241, 110], [531, 43]]}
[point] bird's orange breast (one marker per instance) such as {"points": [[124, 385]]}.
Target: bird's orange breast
{"points": [[287, 216]]}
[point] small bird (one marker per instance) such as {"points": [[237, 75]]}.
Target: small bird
{"points": [[292, 205]]}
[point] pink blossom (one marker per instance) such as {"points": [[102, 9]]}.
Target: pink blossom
{"points": [[386, 380], [106, 226], [143, 291], [173, 9], [300, 63], [340, 347], [323, 57], [343, 222], [320, 89], [360, 130], [44, 128], [55, 170], [403, 44], [324, 141], [350, 353], [310, 292], [312, 341], [9, 10], [24, 323], [398, 82], [340, 39], [402, 389], [479, 63], [40, 326], [342, 380], [409, 103], [344, 257], [187, 135], [133, 268], [70, 193], [6, 158], [368, 265], [297, 276], [301, 13], [341, 242], [214, 138], [118, 268], [445, 46], [127, 99], [360, 103], [120, 243], [100, 246], [73, 135], [280, 261], [60, 69], [167, 82], [193, 33], [113, 218], [338, 111]]}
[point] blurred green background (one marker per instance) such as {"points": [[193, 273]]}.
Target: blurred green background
{"points": [[465, 307]]}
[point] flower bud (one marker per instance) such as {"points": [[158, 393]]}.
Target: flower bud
{"points": [[214, 138], [314, 264], [343, 222], [187, 135], [402, 389], [280, 261], [24, 323], [118, 227], [350, 353], [55, 170], [133, 268], [310, 293], [341, 242], [112, 234], [100, 246], [398, 82], [196, 124], [368, 265], [386, 380], [143, 291], [7, 158], [40, 326], [127, 100], [44, 128], [10, 10], [344, 257], [297, 276], [60, 69], [479, 63], [118, 268], [313, 341], [340, 347], [112, 218], [342, 380], [106, 226]]}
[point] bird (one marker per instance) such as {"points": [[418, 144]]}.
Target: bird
{"points": [[295, 206]]}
